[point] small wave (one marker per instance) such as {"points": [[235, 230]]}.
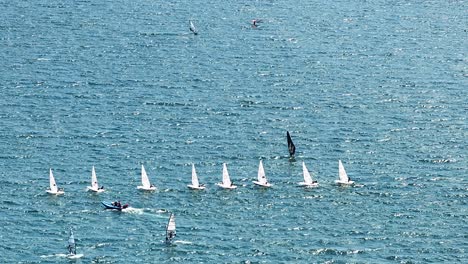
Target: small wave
{"points": [[133, 210]]}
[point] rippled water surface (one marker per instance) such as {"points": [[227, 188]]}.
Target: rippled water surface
{"points": [[381, 85]]}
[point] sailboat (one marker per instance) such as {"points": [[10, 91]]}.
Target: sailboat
{"points": [[308, 182], [344, 179], [195, 184], [193, 28], [72, 247], [145, 183], [53, 189], [170, 229], [226, 184], [262, 180], [71, 244], [94, 183], [291, 146]]}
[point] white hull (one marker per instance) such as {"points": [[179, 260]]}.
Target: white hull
{"points": [[344, 183], [305, 184], [89, 188], [193, 187], [74, 256], [55, 193], [143, 188], [262, 184], [226, 187]]}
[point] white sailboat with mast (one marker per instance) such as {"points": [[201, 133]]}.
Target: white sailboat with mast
{"points": [[226, 184], [343, 176], [308, 181], [145, 183], [261, 177], [94, 183], [171, 229], [53, 189], [195, 184]]}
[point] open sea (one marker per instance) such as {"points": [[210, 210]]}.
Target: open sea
{"points": [[381, 85]]}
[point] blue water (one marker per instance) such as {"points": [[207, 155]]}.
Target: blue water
{"points": [[381, 85]]}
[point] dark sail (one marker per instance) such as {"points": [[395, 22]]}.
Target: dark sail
{"points": [[291, 147]]}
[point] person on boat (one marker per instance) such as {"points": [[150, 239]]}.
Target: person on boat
{"points": [[314, 181], [349, 179], [119, 204], [254, 23], [101, 188], [70, 250], [152, 186]]}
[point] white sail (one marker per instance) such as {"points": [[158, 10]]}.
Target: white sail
{"points": [[226, 178], [170, 229], [195, 182], [171, 226], [53, 185], [193, 28], [261, 174], [144, 178], [94, 182], [342, 173], [307, 177], [71, 244]]}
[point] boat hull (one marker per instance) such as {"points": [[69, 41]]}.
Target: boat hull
{"points": [[89, 188], [226, 187], [55, 193], [146, 188], [304, 184], [344, 183], [109, 206], [262, 184], [196, 187]]}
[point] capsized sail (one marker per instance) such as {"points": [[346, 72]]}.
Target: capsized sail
{"points": [[193, 28], [171, 229], [71, 244], [291, 147]]}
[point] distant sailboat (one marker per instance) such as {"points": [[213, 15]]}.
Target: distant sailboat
{"points": [[53, 189], [308, 182], [344, 179], [170, 229], [94, 183], [226, 184], [291, 147], [261, 177], [71, 244], [145, 183], [195, 184], [193, 28]]}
